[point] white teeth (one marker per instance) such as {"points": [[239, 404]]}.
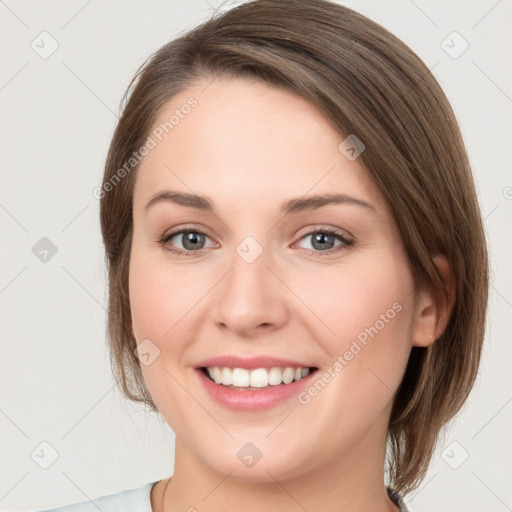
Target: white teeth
{"points": [[274, 376], [217, 375], [240, 377], [288, 375], [258, 378], [227, 378]]}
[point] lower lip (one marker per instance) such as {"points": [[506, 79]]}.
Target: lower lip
{"points": [[252, 400]]}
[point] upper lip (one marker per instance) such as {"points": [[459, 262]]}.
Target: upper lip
{"points": [[251, 363]]}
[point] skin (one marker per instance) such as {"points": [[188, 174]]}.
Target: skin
{"points": [[249, 146]]}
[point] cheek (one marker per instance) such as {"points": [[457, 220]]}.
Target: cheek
{"points": [[160, 301], [366, 313], [161, 297], [370, 310], [352, 298]]}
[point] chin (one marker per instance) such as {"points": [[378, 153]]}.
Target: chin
{"points": [[257, 462]]}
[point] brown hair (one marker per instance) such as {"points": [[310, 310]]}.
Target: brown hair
{"points": [[366, 82]]}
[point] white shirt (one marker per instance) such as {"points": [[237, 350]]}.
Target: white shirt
{"points": [[132, 500], [139, 500]]}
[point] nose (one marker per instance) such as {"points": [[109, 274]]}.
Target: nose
{"points": [[251, 299]]}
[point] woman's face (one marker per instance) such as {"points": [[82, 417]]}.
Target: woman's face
{"points": [[266, 281]]}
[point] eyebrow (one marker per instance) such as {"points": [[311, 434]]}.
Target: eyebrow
{"points": [[296, 205]]}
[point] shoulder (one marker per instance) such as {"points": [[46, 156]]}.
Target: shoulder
{"points": [[397, 499], [131, 500]]}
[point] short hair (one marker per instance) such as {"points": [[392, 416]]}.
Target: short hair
{"points": [[367, 82]]}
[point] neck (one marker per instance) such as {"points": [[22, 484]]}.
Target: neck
{"points": [[351, 481]]}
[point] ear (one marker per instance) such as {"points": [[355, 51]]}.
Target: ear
{"points": [[429, 323]]}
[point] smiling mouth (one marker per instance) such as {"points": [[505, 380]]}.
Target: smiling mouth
{"points": [[257, 379]]}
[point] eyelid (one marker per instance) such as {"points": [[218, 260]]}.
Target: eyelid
{"points": [[306, 231], [346, 238], [187, 227], [326, 228], [182, 229]]}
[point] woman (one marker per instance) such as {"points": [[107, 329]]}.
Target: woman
{"points": [[297, 265]]}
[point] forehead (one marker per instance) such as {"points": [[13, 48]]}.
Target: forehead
{"points": [[248, 141]]}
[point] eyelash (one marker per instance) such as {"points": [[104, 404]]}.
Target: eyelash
{"points": [[347, 242]]}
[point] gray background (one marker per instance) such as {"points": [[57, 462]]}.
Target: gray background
{"points": [[57, 116]]}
